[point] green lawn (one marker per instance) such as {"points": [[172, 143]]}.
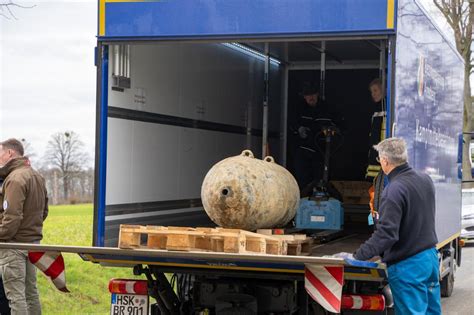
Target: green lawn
{"points": [[72, 225]]}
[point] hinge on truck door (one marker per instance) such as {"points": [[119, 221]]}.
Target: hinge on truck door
{"points": [[120, 61]]}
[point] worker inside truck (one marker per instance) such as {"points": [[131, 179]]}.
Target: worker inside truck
{"points": [[363, 125], [377, 134], [306, 127]]}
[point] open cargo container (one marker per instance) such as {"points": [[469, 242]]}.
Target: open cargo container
{"points": [[184, 84]]}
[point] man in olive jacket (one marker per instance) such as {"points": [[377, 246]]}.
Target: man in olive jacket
{"points": [[23, 208]]}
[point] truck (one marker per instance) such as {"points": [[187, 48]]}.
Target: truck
{"points": [[183, 84]]}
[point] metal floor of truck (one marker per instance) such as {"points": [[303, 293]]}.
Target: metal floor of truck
{"points": [[348, 243]]}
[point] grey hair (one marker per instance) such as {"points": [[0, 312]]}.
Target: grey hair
{"points": [[394, 150]]}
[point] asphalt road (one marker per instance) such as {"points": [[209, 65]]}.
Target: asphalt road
{"points": [[462, 300]]}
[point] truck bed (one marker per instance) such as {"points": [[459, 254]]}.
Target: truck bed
{"points": [[221, 263], [348, 243]]}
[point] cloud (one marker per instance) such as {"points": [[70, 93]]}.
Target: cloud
{"points": [[47, 72]]}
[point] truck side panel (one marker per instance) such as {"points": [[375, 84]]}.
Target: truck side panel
{"points": [[428, 108], [212, 18]]}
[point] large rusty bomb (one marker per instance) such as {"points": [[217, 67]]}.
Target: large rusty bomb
{"points": [[247, 193]]}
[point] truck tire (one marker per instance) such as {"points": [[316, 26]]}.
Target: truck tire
{"points": [[447, 285]]}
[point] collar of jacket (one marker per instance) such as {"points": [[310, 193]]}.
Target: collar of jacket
{"points": [[13, 165], [397, 170]]}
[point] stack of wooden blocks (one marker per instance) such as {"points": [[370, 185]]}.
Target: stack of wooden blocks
{"points": [[212, 240]]}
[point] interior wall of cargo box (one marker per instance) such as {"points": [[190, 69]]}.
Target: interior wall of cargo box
{"points": [[348, 94], [189, 106]]}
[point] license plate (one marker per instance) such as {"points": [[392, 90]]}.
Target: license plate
{"points": [[129, 304]]}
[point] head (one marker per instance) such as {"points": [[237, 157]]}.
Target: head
{"points": [[9, 150], [375, 88], [311, 95], [392, 153]]}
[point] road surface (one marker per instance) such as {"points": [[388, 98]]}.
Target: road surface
{"points": [[462, 300]]}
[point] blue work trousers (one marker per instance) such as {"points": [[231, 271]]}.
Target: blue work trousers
{"points": [[415, 284]]}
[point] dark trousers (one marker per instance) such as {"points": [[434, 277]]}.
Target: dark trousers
{"points": [[308, 167], [4, 307]]}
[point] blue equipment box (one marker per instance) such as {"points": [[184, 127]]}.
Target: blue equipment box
{"points": [[320, 215]]}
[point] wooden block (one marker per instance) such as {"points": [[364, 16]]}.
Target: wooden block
{"points": [[223, 230], [284, 248], [306, 248], [180, 242], [232, 244], [255, 245], [180, 228], [203, 243], [274, 247], [156, 241], [301, 237], [271, 231], [129, 240], [217, 244], [205, 230], [294, 249]]}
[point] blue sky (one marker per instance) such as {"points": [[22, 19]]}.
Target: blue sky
{"points": [[47, 72]]}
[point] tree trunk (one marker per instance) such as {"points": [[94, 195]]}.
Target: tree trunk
{"points": [[55, 188], [466, 154], [66, 188]]}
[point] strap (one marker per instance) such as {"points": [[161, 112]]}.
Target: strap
{"points": [[379, 114]]}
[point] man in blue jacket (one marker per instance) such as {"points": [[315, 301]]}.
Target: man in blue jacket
{"points": [[405, 237]]}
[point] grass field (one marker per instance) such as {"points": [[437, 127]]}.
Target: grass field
{"points": [[72, 225]]}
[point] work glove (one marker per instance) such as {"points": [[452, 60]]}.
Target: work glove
{"points": [[303, 132], [344, 256]]}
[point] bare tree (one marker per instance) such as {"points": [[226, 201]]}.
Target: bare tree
{"points": [[29, 151], [7, 9], [65, 152], [460, 16]]}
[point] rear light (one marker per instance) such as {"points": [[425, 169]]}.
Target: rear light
{"points": [[363, 302], [462, 243], [123, 286]]}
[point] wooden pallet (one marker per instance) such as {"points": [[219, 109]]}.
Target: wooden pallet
{"points": [[297, 244], [353, 192], [199, 239]]}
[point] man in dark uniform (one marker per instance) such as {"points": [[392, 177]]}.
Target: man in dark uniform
{"points": [[377, 127], [377, 134], [308, 164]]}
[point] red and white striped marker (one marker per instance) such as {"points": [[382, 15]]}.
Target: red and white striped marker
{"points": [[52, 265], [126, 286], [324, 285], [374, 302]]}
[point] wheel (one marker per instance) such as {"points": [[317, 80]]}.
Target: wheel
{"points": [[447, 285]]}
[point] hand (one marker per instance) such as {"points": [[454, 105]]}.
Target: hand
{"points": [[303, 132], [344, 256]]}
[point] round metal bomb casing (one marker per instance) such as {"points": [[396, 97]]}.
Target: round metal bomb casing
{"points": [[247, 193]]}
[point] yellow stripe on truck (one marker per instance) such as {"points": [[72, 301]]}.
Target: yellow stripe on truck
{"points": [[390, 13], [101, 17], [448, 240]]}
